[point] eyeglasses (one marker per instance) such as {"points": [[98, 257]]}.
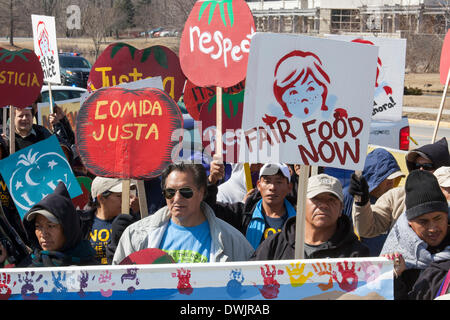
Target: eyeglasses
{"points": [[185, 193], [424, 166]]}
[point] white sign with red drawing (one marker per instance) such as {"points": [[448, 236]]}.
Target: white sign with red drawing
{"points": [[45, 47], [304, 101], [389, 86]]}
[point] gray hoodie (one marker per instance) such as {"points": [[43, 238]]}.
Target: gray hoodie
{"points": [[228, 244]]}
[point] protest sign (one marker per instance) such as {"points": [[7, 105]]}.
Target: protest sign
{"points": [[215, 42], [194, 96], [70, 108], [304, 106], [34, 172], [21, 78], [389, 84], [315, 279], [117, 127], [81, 202], [45, 47], [231, 123], [121, 63]]}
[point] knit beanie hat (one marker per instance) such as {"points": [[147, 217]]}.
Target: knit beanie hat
{"points": [[423, 194]]}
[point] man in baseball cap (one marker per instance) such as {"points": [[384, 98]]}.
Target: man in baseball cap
{"points": [[328, 232], [265, 209], [107, 205]]}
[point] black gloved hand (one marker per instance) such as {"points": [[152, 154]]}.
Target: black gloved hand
{"points": [[359, 187], [119, 224]]}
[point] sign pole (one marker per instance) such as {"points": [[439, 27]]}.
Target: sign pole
{"points": [[5, 116], [12, 130], [438, 119], [126, 196], [219, 145], [143, 208], [50, 96], [248, 177], [301, 208]]}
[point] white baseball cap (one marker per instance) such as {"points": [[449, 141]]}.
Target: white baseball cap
{"points": [[322, 183], [270, 169], [102, 184], [443, 176]]}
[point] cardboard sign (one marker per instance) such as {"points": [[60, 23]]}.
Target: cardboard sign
{"points": [[445, 59], [34, 172], [390, 78], [233, 105], [45, 47], [304, 105], [215, 42], [121, 63], [117, 128], [315, 279], [194, 96], [21, 78], [70, 108]]}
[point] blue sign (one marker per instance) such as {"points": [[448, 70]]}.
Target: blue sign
{"points": [[34, 172]]}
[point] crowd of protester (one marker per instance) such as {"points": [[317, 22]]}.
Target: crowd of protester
{"points": [[197, 213]]}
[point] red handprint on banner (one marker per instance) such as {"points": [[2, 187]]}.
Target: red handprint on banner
{"points": [[184, 286], [349, 278], [5, 290], [271, 286]]}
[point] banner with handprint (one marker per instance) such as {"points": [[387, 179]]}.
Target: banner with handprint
{"points": [[389, 84], [305, 101], [34, 172], [321, 279]]}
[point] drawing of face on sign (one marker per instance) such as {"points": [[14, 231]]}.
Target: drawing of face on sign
{"points": [[300, 85], [43, 40]]}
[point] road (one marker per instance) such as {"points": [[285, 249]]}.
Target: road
{"points": [[422, 132]]}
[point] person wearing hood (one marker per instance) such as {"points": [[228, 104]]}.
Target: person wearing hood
{"points": [[265, 210], [328, 232], [420, 236], [373, 220], [54, 229], [382, 173]]}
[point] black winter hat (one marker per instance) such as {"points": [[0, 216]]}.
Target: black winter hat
{"points": [[437, 152], [423, 194]]}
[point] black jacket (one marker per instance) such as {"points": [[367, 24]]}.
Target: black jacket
{"points": [[281, 246], [75, 251], [237, 214], [430, 280]]}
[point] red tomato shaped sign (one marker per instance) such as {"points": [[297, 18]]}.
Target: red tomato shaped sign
{"points": [[215, 43], [195, 96], [21, 78], [127, 133], [445, 59], [120, 63]]}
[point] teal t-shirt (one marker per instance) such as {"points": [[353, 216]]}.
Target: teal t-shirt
{"points": [[187, 244]]}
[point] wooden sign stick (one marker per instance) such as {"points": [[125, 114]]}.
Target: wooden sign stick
{"points": [[248, 177], [50, 96], [301, 209], [5, 116], [12, 130], [143, 208], [126, 196], [441, 108], [219, 146]]}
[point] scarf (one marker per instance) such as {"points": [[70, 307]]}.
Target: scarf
{"points": [[404, 240], [255, 229]]}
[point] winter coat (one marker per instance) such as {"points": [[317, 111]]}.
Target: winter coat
{"points": [[416, 252], [430, 281], [239, 214], [227, 243], [281, 246], [76, 250]]}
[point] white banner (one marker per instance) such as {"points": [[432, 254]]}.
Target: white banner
{"points": [[388, 98], [304, 99], [45, 47], [320, 279]]}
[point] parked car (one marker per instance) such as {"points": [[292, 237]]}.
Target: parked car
{"points": [[74, 69], [60, 93]]}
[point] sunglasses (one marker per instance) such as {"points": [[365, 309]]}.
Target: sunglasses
{"points": [[424, 166], [185, 193]]}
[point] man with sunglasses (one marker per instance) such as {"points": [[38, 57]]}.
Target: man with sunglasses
{"points": [[373, 220], [186, 228]]}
